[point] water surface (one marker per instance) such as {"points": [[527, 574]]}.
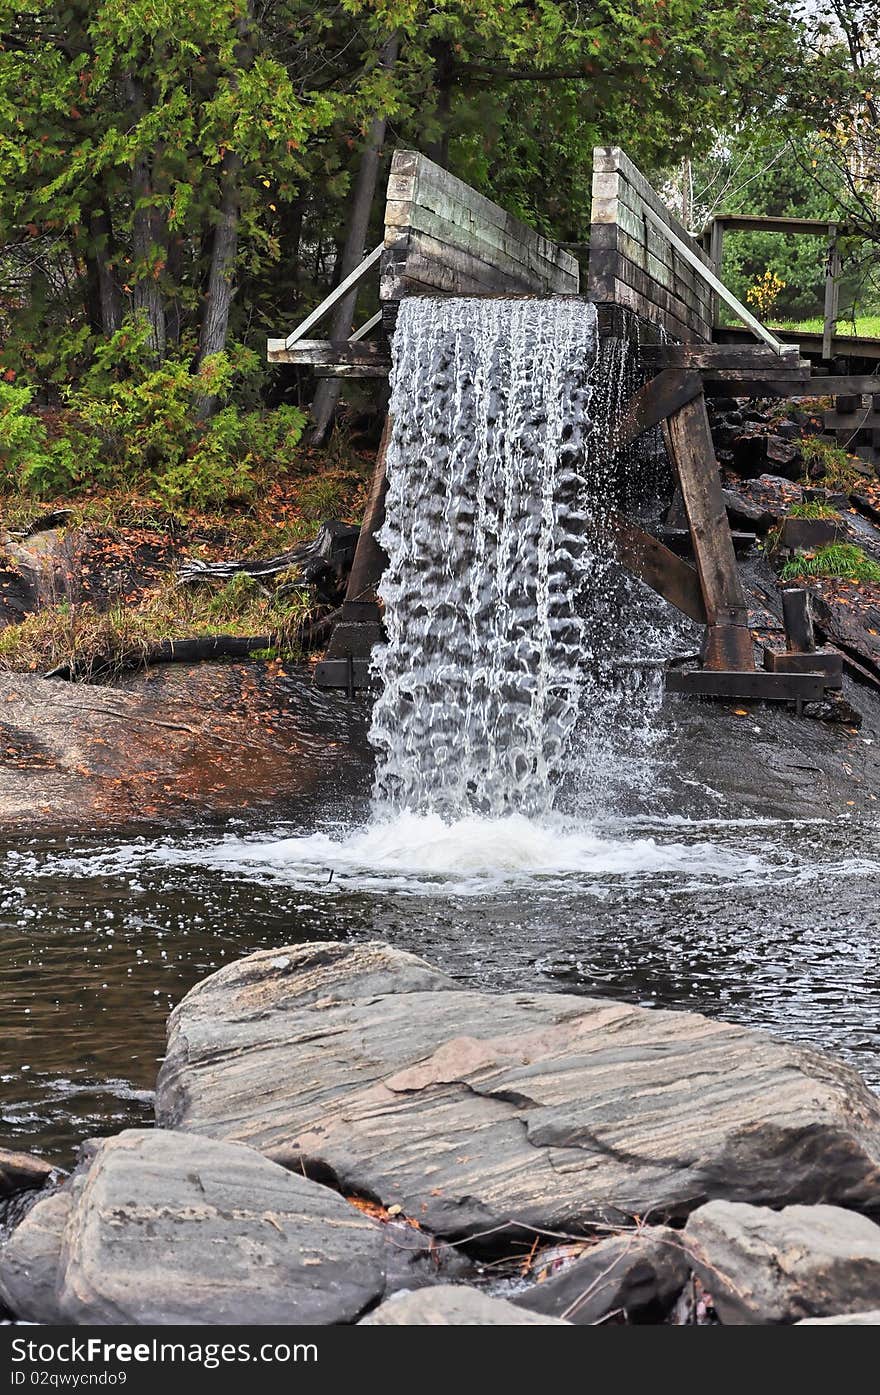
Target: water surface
{"points": [[760, 922]]}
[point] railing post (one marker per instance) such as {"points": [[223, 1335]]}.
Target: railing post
{"points": [[832, 293], [716, 256]]}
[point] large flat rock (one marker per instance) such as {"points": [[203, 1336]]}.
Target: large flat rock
{"points": [[470, 1110], [170, 1228]]}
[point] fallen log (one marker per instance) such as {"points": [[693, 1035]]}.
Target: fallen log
{"points": [[324, 562], [189, 651]]}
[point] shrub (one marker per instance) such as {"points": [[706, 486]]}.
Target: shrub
{"points": [[130, 421]]}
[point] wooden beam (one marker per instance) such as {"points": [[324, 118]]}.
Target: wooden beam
{"points": [[369, 558], [341, 358], [748, 222], [689, 442], [738, 385], [341, 290], [751, 686], [832, 293], [716, 358], [659, 397], [658, 567]]}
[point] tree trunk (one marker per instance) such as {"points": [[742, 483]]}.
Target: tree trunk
{"points": [[224, 248], [147, 230], [443, 55], [109, 298], [327, 394], [218, 297]]}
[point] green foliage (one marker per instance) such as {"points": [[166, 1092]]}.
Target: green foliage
{"points": [[132, 422], [835, 466], [844, 560]]}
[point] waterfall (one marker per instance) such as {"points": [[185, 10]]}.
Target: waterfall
{"points": [[486, 539]]}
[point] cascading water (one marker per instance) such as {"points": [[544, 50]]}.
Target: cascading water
{"points": [[487, 552], [502, 598]]}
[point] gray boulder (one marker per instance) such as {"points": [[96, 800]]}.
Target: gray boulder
{"points": [[452, 1305], [472, 1110], [871, 1319], [30, 1261], [764, 1266], [639, 1275], [171, 1228]]}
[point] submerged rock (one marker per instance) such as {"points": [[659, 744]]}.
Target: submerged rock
{"points": [[473, 1111], [170, 1228], [764, 1266], [638, 1275], [452, 1305]]}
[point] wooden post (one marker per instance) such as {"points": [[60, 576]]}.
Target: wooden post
{"points": [[728, 643], [798, 620], [832, 293], [716, 256], [369, 558]]}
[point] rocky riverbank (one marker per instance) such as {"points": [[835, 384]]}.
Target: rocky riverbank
{"points": [[347, 1135]]}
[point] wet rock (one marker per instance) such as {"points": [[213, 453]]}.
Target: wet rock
{"points": [[20, 1171], [171, 1228], [168, 743], [871, 1319], [768, 492], [30, 1261], [764, 1266], [639, 1275], [449, 1305], [755, 453], [473, 1110]]}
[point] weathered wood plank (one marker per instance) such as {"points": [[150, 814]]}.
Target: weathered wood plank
{"points": [[723, 357], [443, 235], [862, 419], [324, 353], [609, 267], [611, 159], [658, 567], [689, 441], [656, 400], [741, 385]]}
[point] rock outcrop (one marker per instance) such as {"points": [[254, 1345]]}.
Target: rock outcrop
{"points": [[472, 1111], [764, 1266], [170, 1228]]}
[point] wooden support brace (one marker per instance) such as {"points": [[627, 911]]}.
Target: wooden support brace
{"points": [[653, 403], [728, 642], [658, 567], [369, 558]]}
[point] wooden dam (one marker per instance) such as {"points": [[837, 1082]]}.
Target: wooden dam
{"points": [[653, 283]]}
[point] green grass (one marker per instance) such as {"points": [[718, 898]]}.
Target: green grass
{"points": [[812, 510], [837, 559], [866, 326], [86, 638]]}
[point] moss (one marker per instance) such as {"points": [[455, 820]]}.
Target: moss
{"points": [[80, 635]]}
